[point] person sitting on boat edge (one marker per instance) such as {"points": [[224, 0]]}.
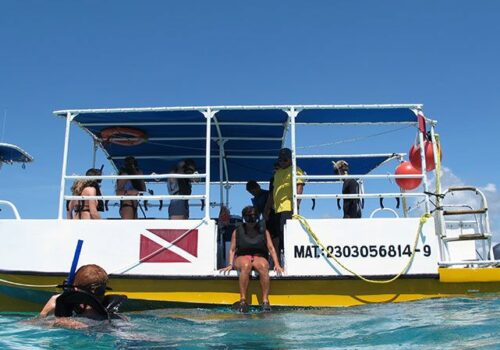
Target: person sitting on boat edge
{"points": [[250, 247], [86, 209], [178, 209], [128, 208], [85, 298], [260, 201], [352, 207]]}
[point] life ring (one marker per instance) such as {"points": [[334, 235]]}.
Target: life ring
{"points": [[124, 136]]}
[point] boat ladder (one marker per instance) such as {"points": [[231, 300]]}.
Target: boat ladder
{"points": [[465, 227]]}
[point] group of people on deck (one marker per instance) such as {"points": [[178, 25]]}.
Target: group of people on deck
{"points": [[252, 242], [89, 209]]}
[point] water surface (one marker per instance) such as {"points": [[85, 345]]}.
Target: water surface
{"points": [[459, 323]]}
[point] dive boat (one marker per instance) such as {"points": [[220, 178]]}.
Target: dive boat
{"points": [[438, 250]]}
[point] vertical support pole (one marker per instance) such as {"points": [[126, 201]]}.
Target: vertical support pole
{"points": [[208, 115], [424, 167], [69, 119], [292, 113], [227, 187], [94, 153], [221, 169], [440, 223]]}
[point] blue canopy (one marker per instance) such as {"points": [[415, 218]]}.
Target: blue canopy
{"points": [[12, 153], [246, 138]]}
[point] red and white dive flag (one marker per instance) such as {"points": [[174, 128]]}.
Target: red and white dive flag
{"points": [[166, 246]]}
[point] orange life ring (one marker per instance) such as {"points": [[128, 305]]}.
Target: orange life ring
{"points": [[124, 136]]}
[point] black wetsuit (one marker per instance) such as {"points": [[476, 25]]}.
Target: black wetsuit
{"points": [[69, 303], [352, 207]]}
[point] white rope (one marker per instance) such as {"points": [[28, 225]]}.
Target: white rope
{"points": [[354, 139], [28, 285], [130, 267]]}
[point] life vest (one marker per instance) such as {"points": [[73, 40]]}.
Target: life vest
{"points": [[254, 244], [69, 304]]}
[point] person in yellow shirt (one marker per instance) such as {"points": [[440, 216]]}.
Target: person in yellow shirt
{"points": [[282, 192]]}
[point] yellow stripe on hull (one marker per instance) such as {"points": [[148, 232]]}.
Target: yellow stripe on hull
{"points": [[284, 292], [457, 275]]}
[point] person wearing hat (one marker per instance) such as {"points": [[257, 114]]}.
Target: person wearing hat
{"points": [[282, 192], [352, 207]]}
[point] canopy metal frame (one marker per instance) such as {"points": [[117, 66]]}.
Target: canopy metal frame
{"points": [[210, 114]]}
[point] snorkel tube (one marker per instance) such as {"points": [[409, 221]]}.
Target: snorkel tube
{"points": [[68, 283]]}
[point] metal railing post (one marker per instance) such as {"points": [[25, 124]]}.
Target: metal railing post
{"points": [[69, 119], [292, 113], [208, 115], [424, 168]]}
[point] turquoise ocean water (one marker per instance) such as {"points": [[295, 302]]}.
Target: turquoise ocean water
{"points": [[458, 323]]}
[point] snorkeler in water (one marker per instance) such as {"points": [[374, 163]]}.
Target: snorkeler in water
{"points": [[85, 298]]}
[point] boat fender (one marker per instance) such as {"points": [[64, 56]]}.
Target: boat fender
{"points": [[406, 168], [124, 136]]}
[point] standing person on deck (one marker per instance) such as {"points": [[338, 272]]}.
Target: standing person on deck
{"points": [[178, 209], [282, 194], [85, 209], [259, 199], [352, 207], [250, 248], [128, 208]]}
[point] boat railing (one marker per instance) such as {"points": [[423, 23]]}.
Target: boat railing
{"points": [[369, 176], [381, 195], [12, 207], [338, 178], [136, 177], [359, 195], [142, 196]]}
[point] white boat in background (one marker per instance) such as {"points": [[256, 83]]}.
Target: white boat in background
{"points": [[10, 154], [328, 261]]}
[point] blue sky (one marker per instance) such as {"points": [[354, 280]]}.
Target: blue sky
{"points": [[92, 54]]}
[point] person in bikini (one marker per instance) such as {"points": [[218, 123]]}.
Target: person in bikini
{"points": [[124, 187], [251, 245], [85, 209]]}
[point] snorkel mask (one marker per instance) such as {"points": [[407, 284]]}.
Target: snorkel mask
{"points": [[251, 219], [250, 215]]}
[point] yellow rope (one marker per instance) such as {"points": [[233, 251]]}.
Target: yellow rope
{"points": [[307, 227], [438, 166]]}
